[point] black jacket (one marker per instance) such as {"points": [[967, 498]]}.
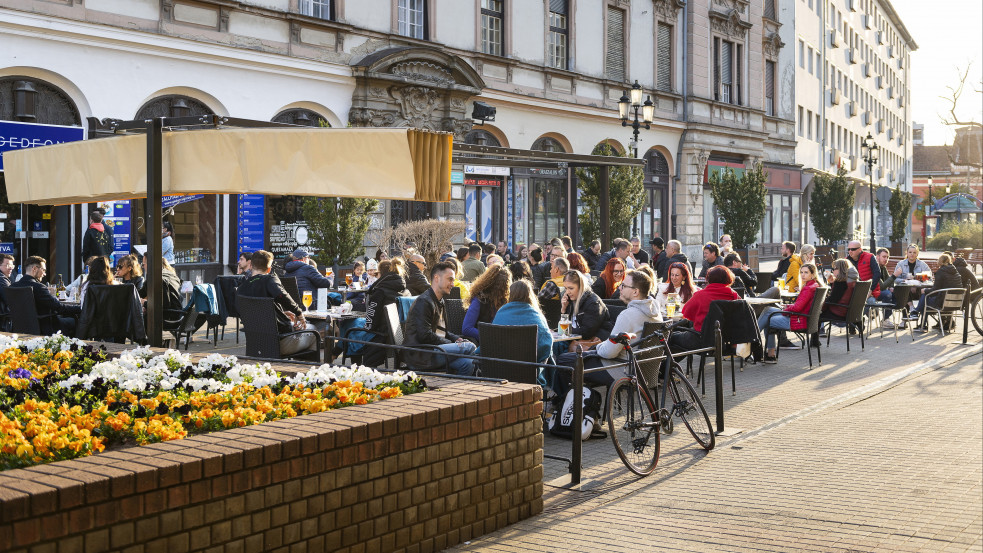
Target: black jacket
{"points": [[4, 283], [309, 279], [107, 313], [782, 269], [748, 279], [603, 260], [173, 298], [421, 325], [592, 316], [137, 282], [269, 286], [416, 281], [663, 272], [947, 276], [45, 303], [540, 274], [706, 266], [642, 256], [590, 257], [382, 293], [97, 243], [970, 282], [656, 260]]}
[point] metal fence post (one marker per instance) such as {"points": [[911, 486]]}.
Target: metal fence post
{"points": [[718, 374], [576, 458]]}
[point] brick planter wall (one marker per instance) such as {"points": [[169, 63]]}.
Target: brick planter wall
{"points": [[418, 473]]}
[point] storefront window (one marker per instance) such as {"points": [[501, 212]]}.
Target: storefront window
{"points": [[549, 209], [796, 219], [195, 226]]}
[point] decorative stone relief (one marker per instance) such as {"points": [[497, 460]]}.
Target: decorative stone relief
{"points": [[667, 10], [362, 117], [423, 71], [772, 44], [166, 10], [457, 127], [729, 23], [416, 105], [737, 5], [701, 160], [751, 162], [223, 19]]}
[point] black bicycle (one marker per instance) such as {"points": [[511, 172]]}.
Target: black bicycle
{"points": [[634, 422]]}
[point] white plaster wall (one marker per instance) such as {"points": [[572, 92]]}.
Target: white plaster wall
{"points": [[144, 9], [589, 39], [809, 90], [529, 31], [376, 16], [280, 5], [455, 24], [641, 44]]}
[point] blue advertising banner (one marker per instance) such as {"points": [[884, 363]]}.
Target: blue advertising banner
{"points": [[168, 202], [252, 223], [17, 136], [118, 215], [7, 247]]}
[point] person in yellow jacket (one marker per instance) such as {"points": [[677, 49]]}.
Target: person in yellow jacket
{"points": [[788, 269]]}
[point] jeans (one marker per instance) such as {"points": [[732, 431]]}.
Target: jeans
{"points": [[459, 365], [778, 322]]}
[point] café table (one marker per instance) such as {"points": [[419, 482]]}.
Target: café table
{"points": [[758, 304], [346, 290], [564, 337], [326, 323]]}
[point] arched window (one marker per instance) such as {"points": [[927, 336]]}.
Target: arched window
{"points": [[656, 168], [547, 144], [481, 138], [173, 105], [36, 101], [303, 117]]}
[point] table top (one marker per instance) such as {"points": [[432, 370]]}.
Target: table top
{"points": [[916, 283], [762, 301], [570, 338], [324, 315]]}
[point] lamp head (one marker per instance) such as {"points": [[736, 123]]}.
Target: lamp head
{"points": [[623, 105], [636, 94], [648, 110]]}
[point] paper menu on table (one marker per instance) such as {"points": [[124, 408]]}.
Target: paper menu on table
{"points": [[322, 299]]}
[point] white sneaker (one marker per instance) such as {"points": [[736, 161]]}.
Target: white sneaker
{"points": [[887, 324]]}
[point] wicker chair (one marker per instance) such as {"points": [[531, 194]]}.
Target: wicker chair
{"points": [[454, 315], [262, 337], [397, 337], [854, 318], [24, 317], [812, 325], [515, 343], [953, 301], [649, 362], [290, 285], [112, 313]]}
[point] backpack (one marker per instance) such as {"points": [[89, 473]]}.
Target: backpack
{"points": [[560, 424]]}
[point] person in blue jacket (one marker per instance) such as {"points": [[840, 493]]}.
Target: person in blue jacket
{"points": [[308, 277], [523, 309]]}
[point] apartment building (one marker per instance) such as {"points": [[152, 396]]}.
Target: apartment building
{"points": [[853, 78]]}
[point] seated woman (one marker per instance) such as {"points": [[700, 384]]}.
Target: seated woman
{"points": [[489, 293], [383, 292], [807, 254], [946, 276], [841, 290], [578, 263], [523, 309], [520, 270], [606, 285], [801, 308], [680, 283], [588, 314], [129, 271], [719, 281], [99, 273]]}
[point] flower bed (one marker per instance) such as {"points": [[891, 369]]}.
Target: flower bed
{"points": [[62, 399]]}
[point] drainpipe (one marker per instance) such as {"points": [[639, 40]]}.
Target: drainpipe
{"points": [[682, 138]]}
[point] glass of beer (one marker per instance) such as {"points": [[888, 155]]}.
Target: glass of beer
{"points": [[308, 299], [564, 324], [671, 308], [348, 279]]}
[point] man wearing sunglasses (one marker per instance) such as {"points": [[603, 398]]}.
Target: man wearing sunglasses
{"points": [[867, 266]]}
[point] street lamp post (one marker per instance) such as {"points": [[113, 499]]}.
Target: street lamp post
{"points": [[630, 106], [870, 151]]}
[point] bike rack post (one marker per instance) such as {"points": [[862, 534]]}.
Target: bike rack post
{"points": [[718, 375], [576, 457]]}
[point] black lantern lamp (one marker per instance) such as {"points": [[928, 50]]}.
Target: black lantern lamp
{"points": [[870, 152], [25, 101], [628, 109], [302, 119], [180, 108]]}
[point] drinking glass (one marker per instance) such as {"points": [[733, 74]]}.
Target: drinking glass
{"points": [[348, 279], [308, 299], [671, 309], [564, 324]]}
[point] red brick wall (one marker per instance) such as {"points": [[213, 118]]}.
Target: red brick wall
{"points": [[419, 473]]}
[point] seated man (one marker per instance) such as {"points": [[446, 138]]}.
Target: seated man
{"points": [[742, 273], [551, 288], [425, 325], [309, 279], [6, 269], [711, 258], [261, 283], [886, 284], [472, 266], [416, 280], [788, 270], [641, 309], [45, 302]]}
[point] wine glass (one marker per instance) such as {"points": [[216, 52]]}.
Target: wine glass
{"points": [[308, 299]]}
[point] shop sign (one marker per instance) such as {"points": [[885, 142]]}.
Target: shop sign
{"points": [[287, 237], [15, 135], [168, 202], [457, 177], [551, 173], [118, 217], [479, 181], [485, 170], [251, 234], [7, 247]]}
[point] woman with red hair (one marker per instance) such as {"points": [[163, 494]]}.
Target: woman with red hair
{"points": [[607, 284], [680, 282], [578, 263]]}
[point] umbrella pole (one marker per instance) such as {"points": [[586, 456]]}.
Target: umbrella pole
{"points": [[155, 285]]}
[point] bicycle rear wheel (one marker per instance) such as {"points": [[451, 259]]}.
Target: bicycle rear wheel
{"points": [[688, 407], [631, 422], [976, 314]]}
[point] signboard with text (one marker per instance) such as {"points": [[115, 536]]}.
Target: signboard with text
{"points": [[118, 215], [252, 223], [15, 135]]}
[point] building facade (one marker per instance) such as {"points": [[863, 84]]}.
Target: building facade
{"points": [[853, 78]]}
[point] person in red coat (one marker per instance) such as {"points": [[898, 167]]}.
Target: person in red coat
{"points": [[719, 281], [802, 307]]}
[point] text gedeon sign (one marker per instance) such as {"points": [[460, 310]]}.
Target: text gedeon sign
{"points": [[17, 136]]}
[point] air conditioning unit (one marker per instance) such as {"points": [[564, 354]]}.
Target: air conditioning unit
{"points": [[890, 134], [900, 100], [880, 37], [880, 126], [834, 38], [866, 69], [900, 62], [834, 96], [900, 139], [852, 56], [851, 109], [890, 176], [866, 118], [890, 92], [890, 51], [868, 23], [852, 4], [880, 172], [879, 81]]}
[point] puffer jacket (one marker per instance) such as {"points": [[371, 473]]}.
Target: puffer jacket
{"points": [[592, 317], [308, 278], [947, 276], [382, 293]]}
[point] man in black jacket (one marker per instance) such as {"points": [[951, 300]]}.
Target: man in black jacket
{"points": [[44, 301], [98, 238], [6, 269], [592, 254], [658, 253], [711, 258], [674, 254], [261, 283], [425, 325], [742, 273], [416, 281], [641, 256]]}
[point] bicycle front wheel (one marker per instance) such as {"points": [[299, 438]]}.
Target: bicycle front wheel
{"points": [[976, 313], [688, 407], [632, 423]]}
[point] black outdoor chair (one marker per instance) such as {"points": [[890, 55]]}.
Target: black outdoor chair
{"points": [[226, 287], [738, 325], [24, 317], [455, 293], [112, 313], [811, 334], [595, 274], [551, 311], [615, 307], [397, 337], [454, 315], [262, 337], [290, 285], [183, 323], [948, 302], [854, 318], [515, 343], [902, 292]]}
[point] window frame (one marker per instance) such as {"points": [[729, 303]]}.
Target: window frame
{"points": [[659, 85], [424, 10], [558, 32], [487, 14], [608, 9], [735, 60]]}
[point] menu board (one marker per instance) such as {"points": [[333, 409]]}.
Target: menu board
{"points": [[252, 223], [118, 214]]}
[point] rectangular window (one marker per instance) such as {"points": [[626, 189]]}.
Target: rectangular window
{"points": [[770, 88], [320, 9], [411, 18], [809, 124], [802, 54], [810, 61], [727, 70], [558, 35], [770, 10], [614, 64], [801, 121], [819, 132], [739, 76], [492, 16], [664, 57]]}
